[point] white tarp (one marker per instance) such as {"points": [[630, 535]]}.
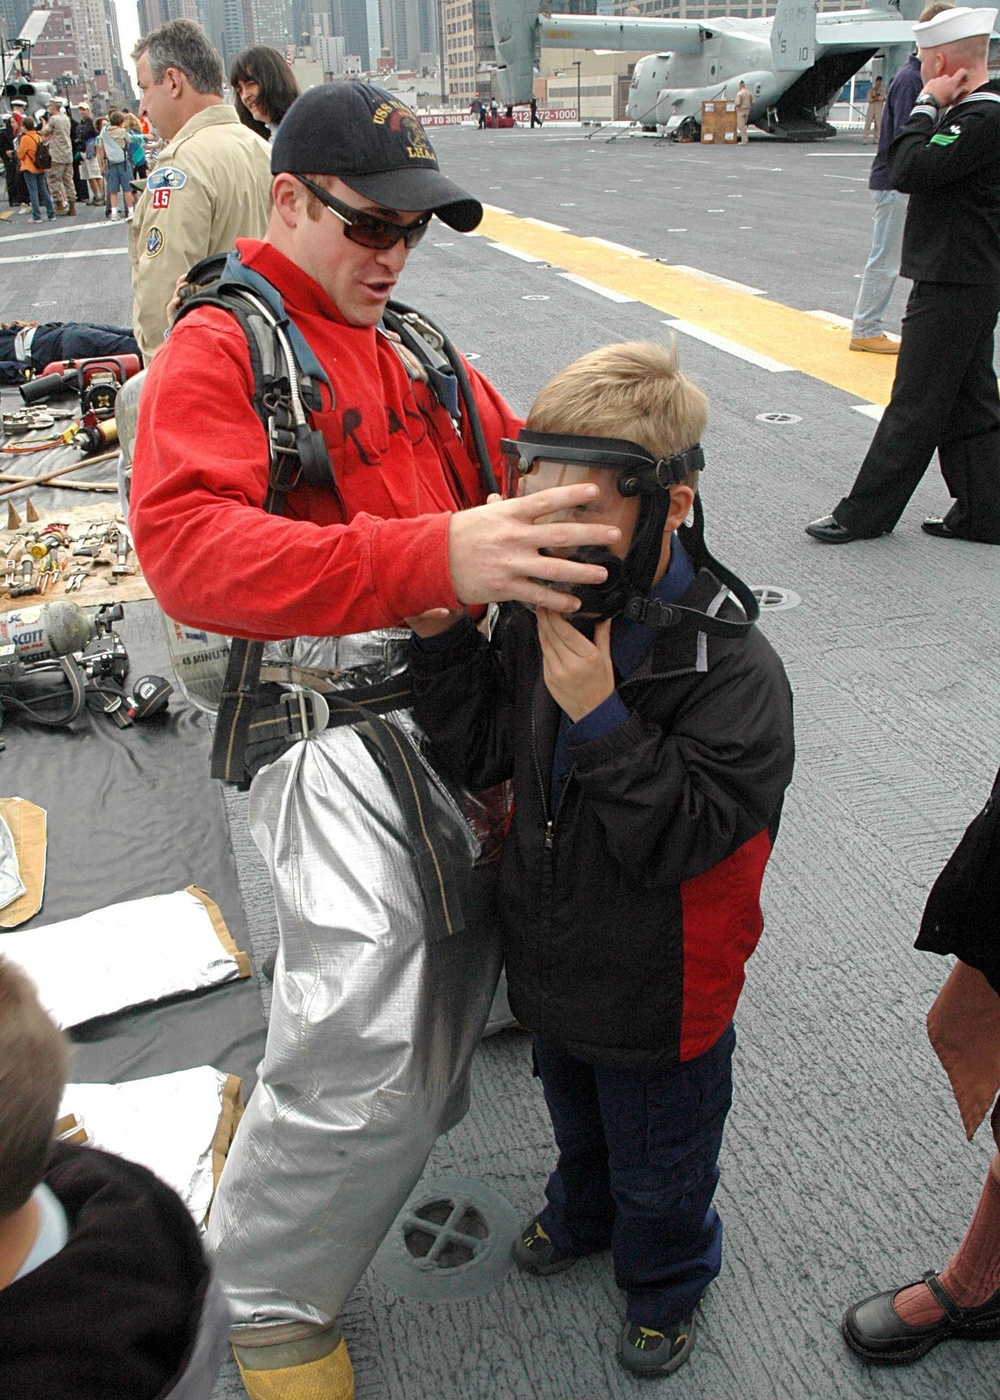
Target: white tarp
{"points": [[167, 1123], [127, 954]]}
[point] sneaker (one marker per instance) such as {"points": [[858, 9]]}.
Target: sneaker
{"points": [[128, 216], [114, 216], [645, 1351], [37, 219], [535, 1253], [876, 344]]}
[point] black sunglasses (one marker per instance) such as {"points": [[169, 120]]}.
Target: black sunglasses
{"points": [[368, 229]]}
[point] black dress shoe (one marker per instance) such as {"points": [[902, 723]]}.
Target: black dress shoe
{"points": [[875, 1331], [827, 531], [940, 529]]}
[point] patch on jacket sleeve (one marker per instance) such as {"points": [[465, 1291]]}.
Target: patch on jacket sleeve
{"points": [[945, 138], [166, 177], [154, 242]]}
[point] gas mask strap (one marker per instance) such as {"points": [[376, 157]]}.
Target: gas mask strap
{"points": [[654, 613]]}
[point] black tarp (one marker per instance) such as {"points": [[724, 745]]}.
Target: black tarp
{"points": [[133, 812]]}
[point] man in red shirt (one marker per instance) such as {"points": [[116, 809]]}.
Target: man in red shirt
{"points": [[375, 1013]]}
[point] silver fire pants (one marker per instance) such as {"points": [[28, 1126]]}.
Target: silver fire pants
{"points": [[373, 1023]]}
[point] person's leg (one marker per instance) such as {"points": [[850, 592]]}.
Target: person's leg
{"points": [[83, 340], [114, 185], [882, 267], [579, 1215], [972, 1275], [43, 189], [62, 186], [900, 1325], [923, 393], [55, 187], [664, 1134], [372, 1028], [31, 180], [969, 449]]}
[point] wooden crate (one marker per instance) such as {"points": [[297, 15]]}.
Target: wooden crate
{"points": [[718, 123]]}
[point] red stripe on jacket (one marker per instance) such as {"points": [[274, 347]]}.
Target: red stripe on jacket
{"points": [[722, 924]]}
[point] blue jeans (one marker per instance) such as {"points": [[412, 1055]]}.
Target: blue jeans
{"points": [[882, 267], [637, 1170], [38, 185]]}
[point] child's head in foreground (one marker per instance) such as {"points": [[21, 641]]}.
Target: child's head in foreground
{"points": [[34, 1059]]}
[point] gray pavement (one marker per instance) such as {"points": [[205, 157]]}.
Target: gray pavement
{"points": [[844, 1168]]}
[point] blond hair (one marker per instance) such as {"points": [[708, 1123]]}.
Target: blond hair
{"points": [[34, 1057], [938, 8], [633, 391]]}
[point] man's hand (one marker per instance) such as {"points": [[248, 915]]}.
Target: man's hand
{"points": [[578, 673], [174, 304], [948, 89], [494, 551]]}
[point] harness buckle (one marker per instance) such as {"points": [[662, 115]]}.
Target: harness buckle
{"points": [[308, 713]]}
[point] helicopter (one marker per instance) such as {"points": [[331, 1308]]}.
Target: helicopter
{"points": [[794, 64]]}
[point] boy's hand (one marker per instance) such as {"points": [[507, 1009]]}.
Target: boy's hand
{"points": [[434, 621], [578, 673]]}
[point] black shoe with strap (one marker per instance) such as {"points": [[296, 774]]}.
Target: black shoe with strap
{"points": [[874, 1330]]}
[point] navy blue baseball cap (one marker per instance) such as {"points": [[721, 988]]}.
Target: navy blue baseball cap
{"points": [[374, 143]]}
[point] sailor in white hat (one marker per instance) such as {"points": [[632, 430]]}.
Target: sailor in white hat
{"points": [[947, 158]]}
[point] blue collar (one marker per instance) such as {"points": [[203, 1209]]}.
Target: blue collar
{"points": [[630, 641]]}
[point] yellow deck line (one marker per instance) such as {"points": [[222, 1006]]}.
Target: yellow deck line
{"points": [[795, 338]]}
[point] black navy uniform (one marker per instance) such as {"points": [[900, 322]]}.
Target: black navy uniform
{"points": [[945, 392]]}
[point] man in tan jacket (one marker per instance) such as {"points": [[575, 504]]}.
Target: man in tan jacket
{"points": [[744, 102], [212, 181]]}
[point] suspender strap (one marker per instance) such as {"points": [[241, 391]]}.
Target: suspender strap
{"points": [[239, 689], [435, 869]]}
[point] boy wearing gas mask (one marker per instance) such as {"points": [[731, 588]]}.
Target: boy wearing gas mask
{"points": [[650, 745]]}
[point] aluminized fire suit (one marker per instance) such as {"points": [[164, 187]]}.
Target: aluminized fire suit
{"points": [[374, 1018]]}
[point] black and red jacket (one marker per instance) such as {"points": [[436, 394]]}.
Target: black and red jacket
{"points": [[629, 914]]}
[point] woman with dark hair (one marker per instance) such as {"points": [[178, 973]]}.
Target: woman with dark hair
{"points": [[263, 88], [33, 170]]}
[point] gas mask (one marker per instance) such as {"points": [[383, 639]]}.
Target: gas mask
{"points": [[634, 494]]}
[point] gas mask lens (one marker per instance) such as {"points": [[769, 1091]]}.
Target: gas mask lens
{"points": [[609, 507]]}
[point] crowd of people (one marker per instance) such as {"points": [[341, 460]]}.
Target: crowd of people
{"points": [[623, 689], [55, 160]]}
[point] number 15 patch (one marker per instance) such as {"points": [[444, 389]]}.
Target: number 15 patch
{"points": [[161, 199]]}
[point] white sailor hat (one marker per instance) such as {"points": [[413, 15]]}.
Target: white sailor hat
{"points": [[18, 102], [952, 25], [56, 101]]}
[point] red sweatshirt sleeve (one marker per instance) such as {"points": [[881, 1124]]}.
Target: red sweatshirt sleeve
{"points": [[215, 559]]}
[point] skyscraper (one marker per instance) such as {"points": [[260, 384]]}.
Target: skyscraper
{"points": [[358, 21]]}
